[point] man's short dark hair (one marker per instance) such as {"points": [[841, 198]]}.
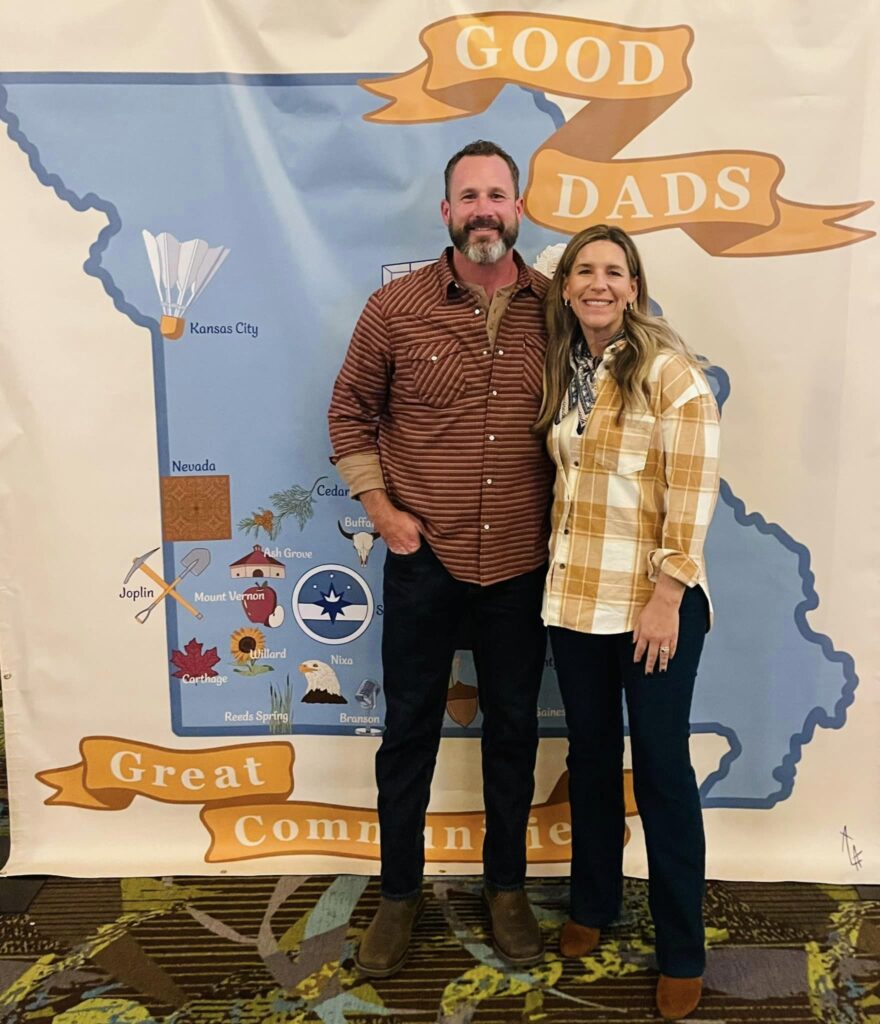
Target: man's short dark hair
{"points": [[483, 148]]}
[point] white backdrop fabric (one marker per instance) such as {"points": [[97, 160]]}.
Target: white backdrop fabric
{"points": [[234, 730]]}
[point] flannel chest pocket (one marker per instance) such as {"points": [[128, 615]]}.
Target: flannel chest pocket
{"points": [[622, 448]]}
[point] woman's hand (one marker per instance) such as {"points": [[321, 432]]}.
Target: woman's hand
{"points": [[656, 629]]}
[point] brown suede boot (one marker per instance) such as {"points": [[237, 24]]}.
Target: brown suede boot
{"points": [[516, 936], [385, 946], [576, 940], [677, 997]]}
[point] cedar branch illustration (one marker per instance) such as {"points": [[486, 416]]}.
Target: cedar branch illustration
{"points": [[296, 501]]}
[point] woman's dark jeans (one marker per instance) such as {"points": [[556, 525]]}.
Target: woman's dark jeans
{"points": [[592, 671], [425, 612]]}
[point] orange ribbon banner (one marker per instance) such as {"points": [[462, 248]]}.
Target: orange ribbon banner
{"points": [[243, 791], [272, 830], [113, 771], [726, 201]]}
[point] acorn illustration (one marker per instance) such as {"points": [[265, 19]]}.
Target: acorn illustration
{"points": [[461, 699]]}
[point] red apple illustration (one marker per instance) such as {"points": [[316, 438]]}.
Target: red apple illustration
{"points": [[259, 603]]}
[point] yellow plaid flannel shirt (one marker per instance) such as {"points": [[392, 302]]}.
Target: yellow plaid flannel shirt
{"points": [[636, 499]]}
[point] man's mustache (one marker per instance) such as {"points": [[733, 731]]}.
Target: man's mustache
{"points": [[478, 223]]}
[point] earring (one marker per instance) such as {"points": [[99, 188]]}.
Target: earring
{"points": [[567, 303], [630, 308]]}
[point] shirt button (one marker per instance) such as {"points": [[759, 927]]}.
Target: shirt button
{"points": [[485, 526], [500, 351], [485, 351], [566, 531], [434, 359], [562, 565], [494, 393], [491, 437], [488, 479], [575, 463], [476, 312]]}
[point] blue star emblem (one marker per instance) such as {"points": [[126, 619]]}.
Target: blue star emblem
{"points": [[333, 604]]}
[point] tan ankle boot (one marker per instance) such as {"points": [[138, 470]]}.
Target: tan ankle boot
{"points": [[385, 946], [516, 935], [576, 940], [677, 997]]}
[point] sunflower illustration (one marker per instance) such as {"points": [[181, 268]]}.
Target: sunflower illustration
{"points": [[245, 644]]}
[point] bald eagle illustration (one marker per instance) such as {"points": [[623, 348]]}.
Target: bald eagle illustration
{"points": [[322, 685]]}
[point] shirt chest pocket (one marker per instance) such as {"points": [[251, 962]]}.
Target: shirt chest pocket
{"points": [[434, 372], [623, 448]]}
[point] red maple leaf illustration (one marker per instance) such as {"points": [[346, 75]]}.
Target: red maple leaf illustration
{"points": [[194, 662]]}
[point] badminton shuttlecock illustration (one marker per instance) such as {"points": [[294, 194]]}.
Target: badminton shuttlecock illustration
{"points": [[181, 271]]}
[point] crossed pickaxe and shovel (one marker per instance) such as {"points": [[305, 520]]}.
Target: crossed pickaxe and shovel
{"points": [[195, 562]]}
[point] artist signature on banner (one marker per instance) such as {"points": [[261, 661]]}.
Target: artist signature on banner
{"points": [[725, 200], [848, 845]]}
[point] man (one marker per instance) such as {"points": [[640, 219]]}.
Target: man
{"points": [[430, 424]]}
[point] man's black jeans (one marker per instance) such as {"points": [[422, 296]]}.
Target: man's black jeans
{"points": [[593, 669], [425, 611]]}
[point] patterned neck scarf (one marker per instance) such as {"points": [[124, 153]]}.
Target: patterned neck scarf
{"points": [[581, 393]]}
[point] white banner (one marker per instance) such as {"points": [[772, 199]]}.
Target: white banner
{"points": [[197, 201]]}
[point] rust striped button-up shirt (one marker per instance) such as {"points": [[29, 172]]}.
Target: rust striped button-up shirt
{"points": [[445, 393]]}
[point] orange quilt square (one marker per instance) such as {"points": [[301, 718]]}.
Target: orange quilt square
{"points": [[196, 508]]}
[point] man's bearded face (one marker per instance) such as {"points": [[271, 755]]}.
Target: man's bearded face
{"points": [[482, 212], [484, 238]]}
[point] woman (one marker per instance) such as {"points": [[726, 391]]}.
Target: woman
{"points": [[633, 429]]}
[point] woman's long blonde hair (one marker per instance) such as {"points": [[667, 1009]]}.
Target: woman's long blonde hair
{"points": [[645, 335]]}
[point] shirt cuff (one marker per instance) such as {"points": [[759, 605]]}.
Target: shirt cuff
{"points": [[675, 564], [361, 472]]}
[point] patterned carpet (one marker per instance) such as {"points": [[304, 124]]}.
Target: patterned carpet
{"points": [[267, 950], [271, 950]]}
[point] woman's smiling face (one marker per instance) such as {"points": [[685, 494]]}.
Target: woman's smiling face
{"points": [[598, 288]]}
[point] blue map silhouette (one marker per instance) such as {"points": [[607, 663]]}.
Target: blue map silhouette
{"points": [[312, 201]]}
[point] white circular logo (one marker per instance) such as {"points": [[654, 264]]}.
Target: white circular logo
{"points": [[332, 604]]}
